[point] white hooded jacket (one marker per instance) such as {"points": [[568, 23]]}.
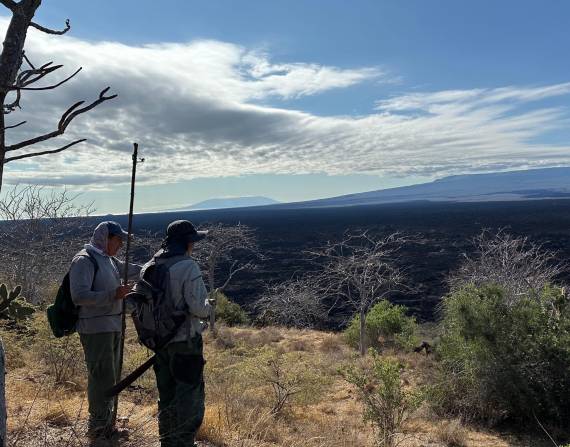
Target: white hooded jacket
{"points": [[99, 310]]}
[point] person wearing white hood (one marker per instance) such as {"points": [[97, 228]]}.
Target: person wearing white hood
{"points": [[95, 285]]}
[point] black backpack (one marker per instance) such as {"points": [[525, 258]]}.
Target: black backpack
{"points": [[63, 314], [155, 316]]}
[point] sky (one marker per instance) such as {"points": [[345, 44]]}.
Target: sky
{"points": [[295, 100]]}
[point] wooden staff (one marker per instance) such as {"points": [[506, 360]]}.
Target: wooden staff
{"points": [[126, 278]]}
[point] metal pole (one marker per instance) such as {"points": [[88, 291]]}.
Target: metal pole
{"points": [[126, 279]]}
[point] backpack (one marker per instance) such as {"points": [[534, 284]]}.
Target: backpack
{"points": [[155, 315], [63, 314]]}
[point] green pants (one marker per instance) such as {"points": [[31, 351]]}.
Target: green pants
{"points": [[102, 359], [179, 376]]}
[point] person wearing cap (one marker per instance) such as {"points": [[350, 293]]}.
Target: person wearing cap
{"points": [[179, 365], [95, 286]]}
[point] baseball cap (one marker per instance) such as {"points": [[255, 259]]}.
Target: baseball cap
{"points": [[115, 229], [184, 230]]}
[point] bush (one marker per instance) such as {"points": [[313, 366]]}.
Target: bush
{"points": [[504, 360], [385, 323], [230, 313], [387, 404]]}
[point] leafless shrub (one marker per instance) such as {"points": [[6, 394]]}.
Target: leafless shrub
{"points": [[518, 265], [234, 246], [360, 270], [294, 303], [284, 385], [41, 230]]}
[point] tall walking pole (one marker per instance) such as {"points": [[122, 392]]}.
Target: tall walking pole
{"points": [[126, 279]]}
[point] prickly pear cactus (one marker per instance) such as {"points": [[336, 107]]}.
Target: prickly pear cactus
{"points": [[12, 306]]}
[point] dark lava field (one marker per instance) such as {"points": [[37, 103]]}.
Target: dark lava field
{"points": [[444, 231]]}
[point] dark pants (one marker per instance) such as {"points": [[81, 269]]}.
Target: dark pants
{"points": [[102, 359], [179, 377]]}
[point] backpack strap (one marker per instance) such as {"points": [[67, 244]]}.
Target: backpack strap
{"points": [[95, 265], [167, 263]]}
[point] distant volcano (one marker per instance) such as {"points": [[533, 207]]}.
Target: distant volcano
{"points": [[230, 202], [531, 184]]}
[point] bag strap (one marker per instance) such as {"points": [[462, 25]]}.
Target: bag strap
{"points": [[168, 263], [95, 265]]}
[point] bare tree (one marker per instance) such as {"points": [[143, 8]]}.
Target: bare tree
{"points": [[41, 230], [520, 267], [231, 246], [14, 80], [294, 303], [361, 270]]}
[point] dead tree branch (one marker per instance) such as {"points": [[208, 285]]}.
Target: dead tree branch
{"points": [[50, 31], [28, 60], [65, 120], [36, 154], [48, 87], [13, 126], [15, 79], [10, 4]]}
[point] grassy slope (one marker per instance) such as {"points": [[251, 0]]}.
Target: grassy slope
{"points": [[324, 411]]}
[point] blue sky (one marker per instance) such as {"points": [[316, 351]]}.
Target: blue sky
{"points": [[303, 99]]}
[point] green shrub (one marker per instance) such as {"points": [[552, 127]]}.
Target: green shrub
{"points": [[230, 313], [385, 323], [501, 360], [387, 404]]}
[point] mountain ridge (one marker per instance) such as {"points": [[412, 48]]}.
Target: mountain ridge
{"points": [[229, 202], [532, 184]]}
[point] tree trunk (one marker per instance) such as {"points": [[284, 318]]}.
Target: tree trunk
{"points": [[11, 60], [10, 63], [3, 413], [2, 142], [362, 332]]}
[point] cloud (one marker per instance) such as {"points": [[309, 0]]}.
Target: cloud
{"points": [[209, 108]]}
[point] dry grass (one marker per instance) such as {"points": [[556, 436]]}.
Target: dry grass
{"points": [[452, 433], [324, 413]]}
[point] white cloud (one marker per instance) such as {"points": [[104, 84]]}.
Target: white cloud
{"points": [[198, 110]]}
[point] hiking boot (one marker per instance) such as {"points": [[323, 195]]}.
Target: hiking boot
{"points": [[97, 432], [116, 433]]}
